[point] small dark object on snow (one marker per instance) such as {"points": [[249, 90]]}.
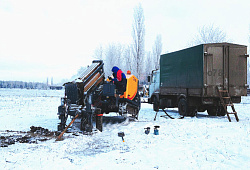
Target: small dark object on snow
{"points": [[40, 131], [121, 134], [24, 139], [43, 139], [4, 145], [156, 131], [6, 141], [75, 134], [11, 141], [147, 130], [33, 128], [57, 133]]}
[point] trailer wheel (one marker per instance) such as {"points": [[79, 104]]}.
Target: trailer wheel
{"points": [[212, 111], [183, 107], [221, 111], [192, 111], [156, 104]]}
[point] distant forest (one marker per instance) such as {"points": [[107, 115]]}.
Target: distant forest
{"points": [[23, 85]]}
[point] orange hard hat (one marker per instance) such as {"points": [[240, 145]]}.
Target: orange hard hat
{"points": [[128, 72]]}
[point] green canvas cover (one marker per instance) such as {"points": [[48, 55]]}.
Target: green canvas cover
{"points": [[182, 68]]}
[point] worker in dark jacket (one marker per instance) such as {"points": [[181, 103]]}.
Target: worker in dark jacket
{"points": [[119, 80]]}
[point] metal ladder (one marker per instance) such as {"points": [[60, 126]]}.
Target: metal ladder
{"points": [[227, 101]]}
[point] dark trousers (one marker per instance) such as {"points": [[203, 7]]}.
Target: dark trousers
{"points": [[121, 86]]}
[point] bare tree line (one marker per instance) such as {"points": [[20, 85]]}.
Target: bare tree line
{"points": [[23, 85], [132, 57], [140, 62], [209, 34]]}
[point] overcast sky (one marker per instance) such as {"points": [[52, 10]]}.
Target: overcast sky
{"points": [[54, 38]]}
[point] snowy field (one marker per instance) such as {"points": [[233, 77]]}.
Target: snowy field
{"points": [[200, 142]]}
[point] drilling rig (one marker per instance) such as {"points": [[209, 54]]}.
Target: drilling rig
{"points": [[90, 97]]}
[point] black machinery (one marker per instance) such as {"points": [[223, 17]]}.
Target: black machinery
{"points": [[90, 96]]}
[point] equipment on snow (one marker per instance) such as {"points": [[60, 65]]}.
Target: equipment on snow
{"points": [[156, 131], [147, 130], [90, 97], [121, 134]]}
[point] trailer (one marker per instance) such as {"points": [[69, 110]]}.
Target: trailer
{"points": [[193, 78]]}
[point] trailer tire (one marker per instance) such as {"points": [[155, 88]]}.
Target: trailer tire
{"points": [[156, 104], [221, 111], [183, 107], [212, 111], [192, 111]]}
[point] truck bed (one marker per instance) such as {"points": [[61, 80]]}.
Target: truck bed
{"points": [[198, 70]]}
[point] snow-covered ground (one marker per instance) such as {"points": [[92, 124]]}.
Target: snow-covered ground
{"points": [[200, 142]]}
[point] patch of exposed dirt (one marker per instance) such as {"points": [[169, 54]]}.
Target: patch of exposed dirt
{"points": [[33, 136]]}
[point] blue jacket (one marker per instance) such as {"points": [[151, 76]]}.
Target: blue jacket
{"points": [[118, 74]]}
